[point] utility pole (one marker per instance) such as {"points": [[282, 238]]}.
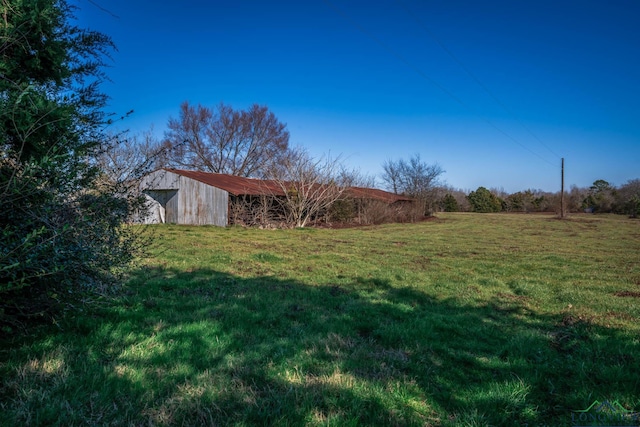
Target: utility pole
{"points": [[562, 191]]}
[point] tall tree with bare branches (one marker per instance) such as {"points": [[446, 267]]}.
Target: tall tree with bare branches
{"points": [[223, 140], [414, 178]]}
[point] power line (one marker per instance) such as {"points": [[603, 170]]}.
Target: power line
{"points": [[103, 9], [430, 80], [472, 75]]}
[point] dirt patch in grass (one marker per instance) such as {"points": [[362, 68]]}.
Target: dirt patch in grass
{"points": [[569, 332], [512, 297], [630, 294], [570, 320], [422, 262], [618, 315]]}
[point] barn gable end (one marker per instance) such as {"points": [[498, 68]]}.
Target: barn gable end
{"points": [[178, 199]]}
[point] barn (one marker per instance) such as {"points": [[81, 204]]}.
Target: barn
{"points": [[203, 198], [196, 198]]}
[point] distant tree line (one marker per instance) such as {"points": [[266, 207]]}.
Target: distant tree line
{"points": [[601, 197]]}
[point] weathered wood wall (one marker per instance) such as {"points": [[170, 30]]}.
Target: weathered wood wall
{"points": [[201, 204], [187, 201]]}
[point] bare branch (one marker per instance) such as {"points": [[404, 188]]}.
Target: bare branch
{"points": [[413, 178], [310, 186], [243, 143]]}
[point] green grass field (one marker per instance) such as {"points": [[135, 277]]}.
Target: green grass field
{"points": [[467, 319]]}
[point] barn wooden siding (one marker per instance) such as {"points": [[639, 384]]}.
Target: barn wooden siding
{"points": [[187, 201]]}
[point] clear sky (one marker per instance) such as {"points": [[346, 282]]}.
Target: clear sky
{"points": [[496, 92]]}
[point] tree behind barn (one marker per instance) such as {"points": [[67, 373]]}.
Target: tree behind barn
{"points": [[414, 178], [61, 227], [223, 140]]}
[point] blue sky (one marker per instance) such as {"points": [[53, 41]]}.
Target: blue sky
{"points": [[496, 92]]}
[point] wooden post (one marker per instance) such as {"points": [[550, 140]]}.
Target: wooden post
{"points": [[562, 191]]}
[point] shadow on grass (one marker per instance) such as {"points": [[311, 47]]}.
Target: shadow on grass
{"points": [[207, 348]]}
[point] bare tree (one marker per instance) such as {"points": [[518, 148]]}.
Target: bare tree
{"points": [[123, 161], [414, 178], [392, 175], [306, 187], [223, 140], [575, 199]]}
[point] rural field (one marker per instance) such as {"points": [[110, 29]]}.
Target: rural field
{"points": [[463, 320]]}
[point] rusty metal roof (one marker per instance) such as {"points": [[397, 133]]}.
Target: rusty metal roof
{"points": [[236, 185], [241, 186], [376, 194]]}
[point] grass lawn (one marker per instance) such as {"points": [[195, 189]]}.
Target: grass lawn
{"points": [[467, 319]]}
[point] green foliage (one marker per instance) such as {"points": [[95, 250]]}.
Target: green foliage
{"points": [[50, 76], [600, 198], [627, 199], [61, 232], [633, 206], [523, 201], [483, 200], [342, 210], [449, 203]]}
